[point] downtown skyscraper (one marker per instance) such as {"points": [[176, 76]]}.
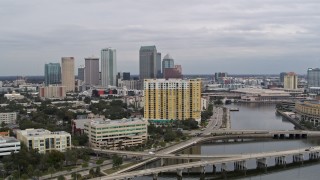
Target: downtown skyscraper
{"points": [[108, 67], [148, 62], [52, 73], [313, 77], [91, 72], [68, 79]]}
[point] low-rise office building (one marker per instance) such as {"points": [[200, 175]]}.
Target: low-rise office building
{"points": [[8, 118], [116, 134], [9, 145], [44, 140]]}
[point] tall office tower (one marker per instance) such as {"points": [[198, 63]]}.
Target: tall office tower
{"points": [[290, 81], [282, 76], [91, 72], [148, 62], [313, 77], [81, 73], [108, 67], [172, 99], [159, 74], [68, 79], [124, 75], [52, 73], [167, 62]]}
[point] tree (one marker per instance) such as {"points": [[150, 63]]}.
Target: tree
{"points": [[87, 100], [91, 172], [51, 170], [61, 177], [116, 161], [98, 171], [37, 173]]}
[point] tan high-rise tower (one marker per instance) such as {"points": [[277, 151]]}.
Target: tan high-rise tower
{"points": [[173, 99], [67, 74]]}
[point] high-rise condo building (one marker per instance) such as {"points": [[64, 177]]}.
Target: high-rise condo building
{"points": [[52, 73], [91, 72], [148, 62], [68, 79], [313, 77], [81, 73], [290, 81], [173, 99], [108, 67]]}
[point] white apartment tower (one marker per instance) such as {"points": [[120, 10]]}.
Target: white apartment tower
{"points": [[67, 68], [108, 67]]}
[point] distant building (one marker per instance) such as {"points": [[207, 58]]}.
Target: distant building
{"points": [[45, 141], [8, 118], [91, 72], [309, 111], [290, 81], [282, 77], [219, 77], [172, 99], [9, 145], [52, 73], [108, 67], [158, 64], [167, 62], [313, 77], [116, 134], [172, 73], [67, 68], [52, 92], [130, 84], [124, 75], [13, 96], [148, 62], [81, 73]]}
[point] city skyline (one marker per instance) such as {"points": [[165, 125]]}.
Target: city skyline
{"points": [[204, 36]]}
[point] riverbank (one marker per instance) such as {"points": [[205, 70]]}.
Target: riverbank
{"points": [[292, 120]]}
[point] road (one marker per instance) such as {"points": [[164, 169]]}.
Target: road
{"points": [[161, 155]]}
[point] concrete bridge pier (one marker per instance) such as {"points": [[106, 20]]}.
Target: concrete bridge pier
{"points": [[162, 163], [203, 169], [240, 166], [298, 158], [155, 176], [214, 169], [314, 156], [179, 174], [262, 164], [281, 161], [224, 170]]}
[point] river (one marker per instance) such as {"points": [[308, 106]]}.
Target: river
{"points": [[254, 116]]}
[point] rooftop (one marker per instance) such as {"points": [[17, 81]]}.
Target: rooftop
{"points": [[8, 140], [147, 47], [101, 121], [40, 132]]}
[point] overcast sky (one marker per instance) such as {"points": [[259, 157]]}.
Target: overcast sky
{"points": [[204, 36]]}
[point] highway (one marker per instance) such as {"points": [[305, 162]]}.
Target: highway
{"points": [[162, 155], [173, 168]]}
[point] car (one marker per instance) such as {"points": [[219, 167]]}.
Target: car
{"points": [[177, 154], [203, 129], [152, 153]]}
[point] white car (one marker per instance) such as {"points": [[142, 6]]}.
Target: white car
{"points": [[151, 152]]}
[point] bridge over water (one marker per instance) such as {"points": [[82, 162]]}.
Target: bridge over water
{"points": [[238, 160]]}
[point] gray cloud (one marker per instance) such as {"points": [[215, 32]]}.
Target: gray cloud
{"points": [[205, 36]]}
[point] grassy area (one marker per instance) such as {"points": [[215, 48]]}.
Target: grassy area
{"points": [[112, 170]]}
